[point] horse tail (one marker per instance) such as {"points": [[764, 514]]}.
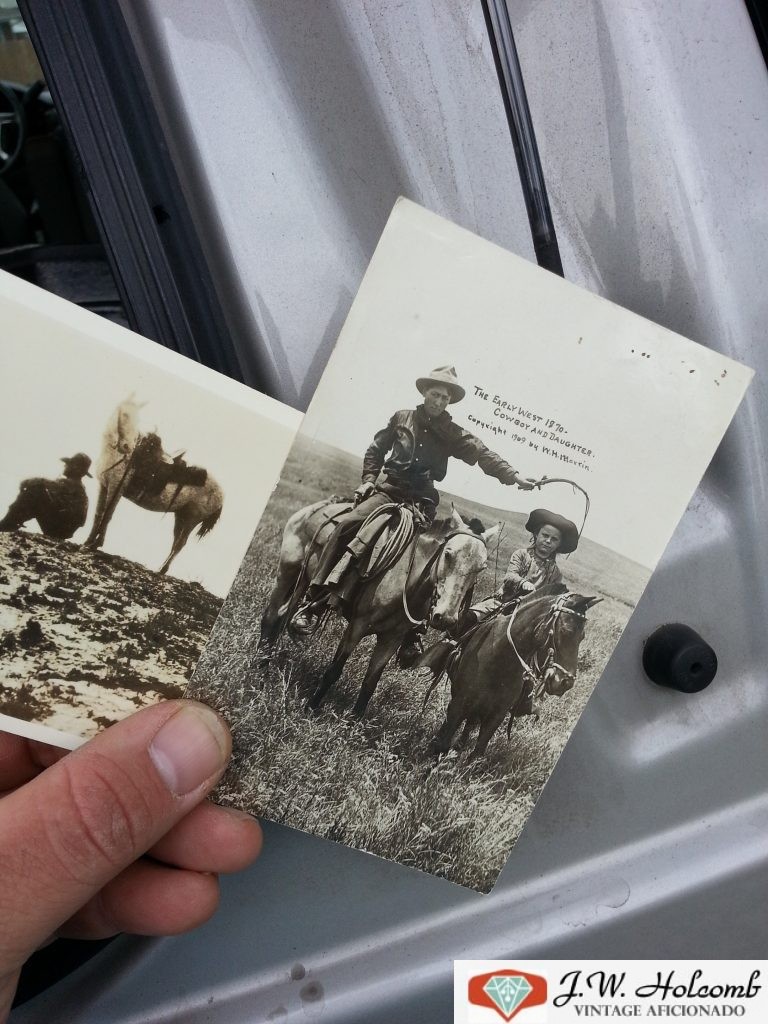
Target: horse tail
{"points": [[208, 523], [439, 659], [432, 687]]}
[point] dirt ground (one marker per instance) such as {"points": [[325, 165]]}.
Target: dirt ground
{"points": [[86, 637]]}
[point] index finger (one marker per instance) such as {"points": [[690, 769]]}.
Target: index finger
{"points": [[22, 759]]}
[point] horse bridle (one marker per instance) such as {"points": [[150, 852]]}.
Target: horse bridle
{"points": [[536, 670], [428, 572]]}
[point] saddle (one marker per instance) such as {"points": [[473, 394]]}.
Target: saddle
{"points": [[153, 470], [440, 656], [383, 537], [378, 543]]}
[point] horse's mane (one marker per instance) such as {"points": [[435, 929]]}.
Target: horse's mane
{"points": [[440, 528], [472, 523], [540, 599], [548, 590]]}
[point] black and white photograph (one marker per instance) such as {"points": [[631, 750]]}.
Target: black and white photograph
{"points": [[130, 483], [461, 531]]}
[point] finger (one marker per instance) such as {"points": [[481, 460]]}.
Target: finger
{"points": [[146, 899], [21, 759], [8, 983], [211, 838], [72, 829], [16, 764]]}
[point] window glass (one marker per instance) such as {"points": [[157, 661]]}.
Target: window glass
{"points": [[18, 63]]}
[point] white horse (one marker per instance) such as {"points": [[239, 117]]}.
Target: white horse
{"points": [[191, 504]]}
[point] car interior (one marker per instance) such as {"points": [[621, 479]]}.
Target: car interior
{"points": [[47, 231]]}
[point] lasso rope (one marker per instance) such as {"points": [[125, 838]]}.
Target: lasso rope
{"points": [[577, 487], [400, 536]]}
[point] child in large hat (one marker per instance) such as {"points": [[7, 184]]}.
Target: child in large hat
{"points": [[530, 568], [534, 566]]}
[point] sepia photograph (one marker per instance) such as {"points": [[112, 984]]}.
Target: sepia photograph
{"points": [[464, 525], [130, 482]]}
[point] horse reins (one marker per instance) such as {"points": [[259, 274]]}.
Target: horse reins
{"points": [[110, 508], [426, 574], [401, 536], [128, 458], [537, 671]]}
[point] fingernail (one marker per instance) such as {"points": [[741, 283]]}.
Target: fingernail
{"points": [[191, 747]]}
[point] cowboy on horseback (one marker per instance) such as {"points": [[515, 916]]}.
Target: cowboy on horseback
{"points": [[401, 465]]}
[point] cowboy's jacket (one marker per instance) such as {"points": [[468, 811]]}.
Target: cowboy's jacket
{"points": [[419, 449]]}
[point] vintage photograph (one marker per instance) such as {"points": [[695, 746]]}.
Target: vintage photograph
{"points": [[463, 527], [130, 484]]}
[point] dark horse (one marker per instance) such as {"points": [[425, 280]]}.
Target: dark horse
{"points": [[428, 583], [537, 645]]}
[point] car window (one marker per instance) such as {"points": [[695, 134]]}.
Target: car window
{"points": [[18, 63]]}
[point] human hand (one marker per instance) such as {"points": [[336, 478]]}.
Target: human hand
{"points": [[365, 490], [74, 828], [526, 483], [526, 586]]}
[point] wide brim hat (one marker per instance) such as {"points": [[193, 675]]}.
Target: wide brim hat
{"points": [[445, 375], [79, 462], [568, 530]]}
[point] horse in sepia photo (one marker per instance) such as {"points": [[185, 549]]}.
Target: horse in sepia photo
{"points": [[133, 466], [428, 581], [508, 660]]}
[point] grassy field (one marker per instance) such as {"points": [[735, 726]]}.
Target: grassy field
{"points": [[372, 784]]}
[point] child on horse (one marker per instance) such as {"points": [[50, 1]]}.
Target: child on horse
{"points": [[531, 567]]}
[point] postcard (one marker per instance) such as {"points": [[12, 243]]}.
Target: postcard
{"points": [[131, 480], [489, 471]]}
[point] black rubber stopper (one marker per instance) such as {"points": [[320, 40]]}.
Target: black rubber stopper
{"points": [[675, 655]]}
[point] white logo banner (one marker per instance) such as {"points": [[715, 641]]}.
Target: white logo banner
{"points": [[569, 991]]}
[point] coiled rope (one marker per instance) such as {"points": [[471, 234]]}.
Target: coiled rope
{"points": [[402, 528]]}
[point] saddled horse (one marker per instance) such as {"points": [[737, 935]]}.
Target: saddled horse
{"points": [[191, 504], [537, 644], [427, 583]]}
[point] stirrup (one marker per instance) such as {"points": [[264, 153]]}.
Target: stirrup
{"points": [[306, 620], [409, 651]]}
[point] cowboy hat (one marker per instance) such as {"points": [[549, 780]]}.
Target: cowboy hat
{"points": [[80, 463], [445, 375], [568, 530]]}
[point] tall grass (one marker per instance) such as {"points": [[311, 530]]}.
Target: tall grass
{"points": [[372, 784]]}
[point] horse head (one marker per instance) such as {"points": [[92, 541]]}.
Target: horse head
{"points": [[123, 431], [462, 557], [560, 633]]}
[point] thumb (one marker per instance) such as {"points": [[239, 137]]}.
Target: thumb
{"points": [[67, 833]]}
